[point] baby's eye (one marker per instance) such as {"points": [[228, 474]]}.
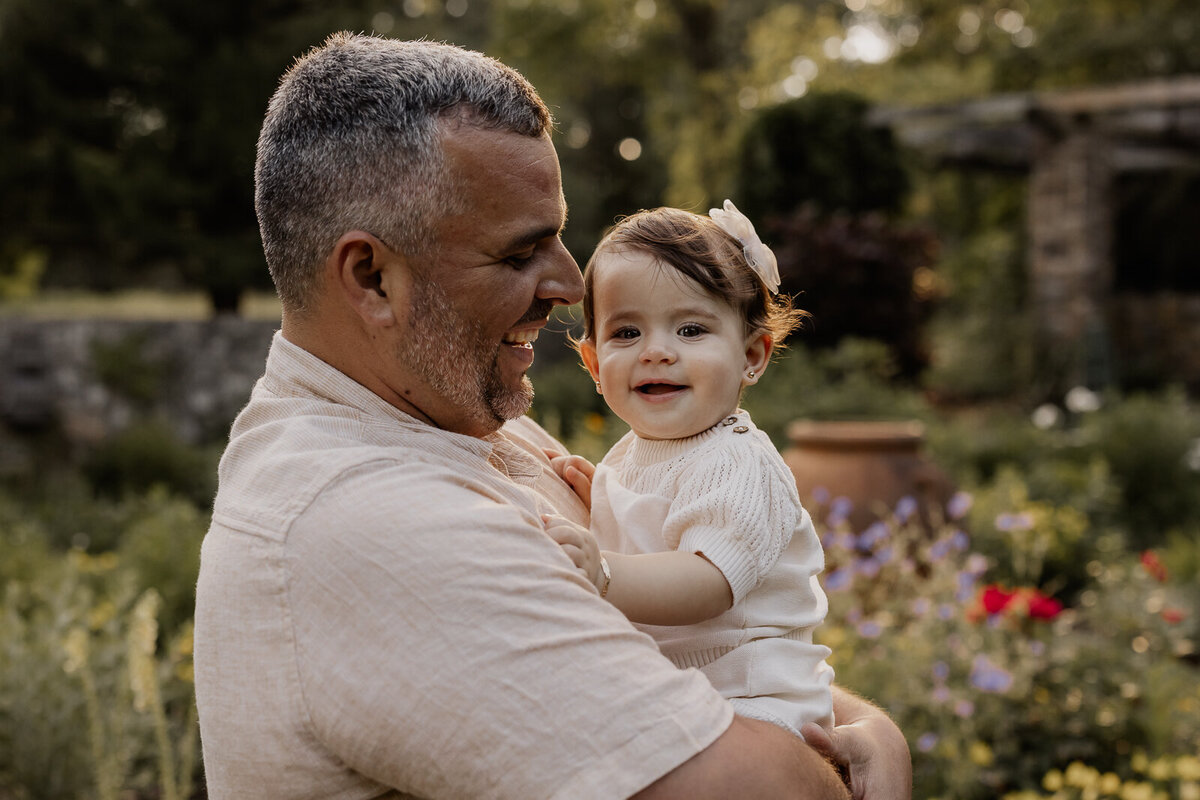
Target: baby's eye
{"points": [[627, 332], [690, 330]]}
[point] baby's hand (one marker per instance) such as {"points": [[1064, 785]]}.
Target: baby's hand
{"points": [[577, 471], [578, 543]]}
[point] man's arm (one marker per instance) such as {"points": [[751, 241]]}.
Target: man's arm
{"points": [[751, 759]]}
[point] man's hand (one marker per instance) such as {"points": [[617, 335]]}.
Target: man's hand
{"points": [[578, 543], [577, 471], [869, 745]]}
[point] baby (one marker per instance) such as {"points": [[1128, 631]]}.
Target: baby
{"points": [[699, 535]]}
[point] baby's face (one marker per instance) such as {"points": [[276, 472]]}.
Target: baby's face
{"points": [[670, 358]]}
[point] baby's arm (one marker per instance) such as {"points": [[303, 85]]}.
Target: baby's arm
{"points": [[672, 588], [669, 588]]}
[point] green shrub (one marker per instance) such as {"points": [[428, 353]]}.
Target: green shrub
{"points": [[147, 454], [1145, 440]]}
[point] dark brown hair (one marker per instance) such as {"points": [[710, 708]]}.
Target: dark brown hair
{"points": [[701, 250]]}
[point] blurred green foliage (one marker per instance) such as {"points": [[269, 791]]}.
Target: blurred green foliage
{"points": [[818, 151], [129, 128]]}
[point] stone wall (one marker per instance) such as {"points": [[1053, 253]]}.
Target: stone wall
{"points": [[90, 378]]}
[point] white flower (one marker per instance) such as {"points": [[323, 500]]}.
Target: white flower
{"points": [[1082, 400], [758, 255], [1046, 416]]}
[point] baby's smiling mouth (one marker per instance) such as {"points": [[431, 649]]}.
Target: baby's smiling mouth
{"points": [[658, 388]]}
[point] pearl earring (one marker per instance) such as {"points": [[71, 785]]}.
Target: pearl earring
{"points": [[598, 389], [750, 374]]}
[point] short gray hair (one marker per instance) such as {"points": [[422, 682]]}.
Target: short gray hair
{"points": [[352, 140]]}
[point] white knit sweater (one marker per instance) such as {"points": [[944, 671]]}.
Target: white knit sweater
{"points": [[728, 494]]}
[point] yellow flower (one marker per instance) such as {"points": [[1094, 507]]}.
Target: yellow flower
{"points": [[1136, 790], [1188, 768], [100, 614], [1110, 783], [1139, 762], [1189, 790], [75, 645], [1080, 775], [143, 635], [980, 754], [1052, 781], [1159, 769]]}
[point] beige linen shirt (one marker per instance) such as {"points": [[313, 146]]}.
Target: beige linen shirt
{"points": [[380, 613]]}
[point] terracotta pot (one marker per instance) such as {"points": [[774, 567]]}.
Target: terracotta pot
{"points": [[873, 464]]}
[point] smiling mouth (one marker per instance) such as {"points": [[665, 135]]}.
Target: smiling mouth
{"points": [[524, 338], [659, 388]]}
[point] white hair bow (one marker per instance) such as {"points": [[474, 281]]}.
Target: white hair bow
{"points": [[758, 255]]}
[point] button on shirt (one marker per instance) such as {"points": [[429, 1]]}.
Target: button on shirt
{"points": [[380, 613]]}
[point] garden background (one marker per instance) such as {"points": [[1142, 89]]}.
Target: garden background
{"points": [[1034, 634]]}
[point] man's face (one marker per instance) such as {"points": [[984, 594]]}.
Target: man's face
{"points": [[498, 268]]}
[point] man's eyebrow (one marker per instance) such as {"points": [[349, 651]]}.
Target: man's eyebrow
{"points": [[532, 237]]}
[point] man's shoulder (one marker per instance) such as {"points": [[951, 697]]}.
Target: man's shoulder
{"points": [[275, 469]]}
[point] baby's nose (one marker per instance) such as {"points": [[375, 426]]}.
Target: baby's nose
{"points": [[657, 352]]}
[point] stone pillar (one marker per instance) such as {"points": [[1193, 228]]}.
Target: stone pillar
{"points": [[1070, 265]]}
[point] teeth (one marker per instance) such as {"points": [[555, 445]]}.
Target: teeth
{"points": [[526, 338]]}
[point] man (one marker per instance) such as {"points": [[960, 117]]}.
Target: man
{"points": [[380, 611]]}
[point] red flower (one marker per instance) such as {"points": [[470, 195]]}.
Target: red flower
{"points": [[995, 598], [1043, 607], [1174, 615], [1153, 566]]}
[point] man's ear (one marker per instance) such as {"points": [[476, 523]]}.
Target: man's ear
{"points": [[366, 272], [759, 347], [587, 351]]}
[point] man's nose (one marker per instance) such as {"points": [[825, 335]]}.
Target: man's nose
{"points": [[563, 283]]}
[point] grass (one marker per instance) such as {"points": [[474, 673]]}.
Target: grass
{"points": [[132, 304]]}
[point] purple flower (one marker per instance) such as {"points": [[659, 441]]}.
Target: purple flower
{"points": [[883, 555], [976, 564], [876, 533], [959, 540], [828, 539], [867, 567], [927, 742], [905, 508], [958, 505], [940, 549], [941, 695], [821, 495], [869, 629], [838, 579], [921, 606], [945, 611], [988, 677], [838, 512], [1014, 522], [941, 670], [966, 587], [1037, 648], [964, 708]]}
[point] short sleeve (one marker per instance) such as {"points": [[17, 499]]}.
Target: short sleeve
{"points": [[737, 508], [450, 649]]}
